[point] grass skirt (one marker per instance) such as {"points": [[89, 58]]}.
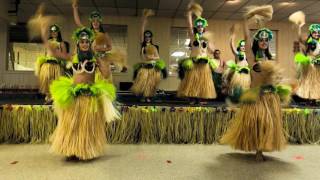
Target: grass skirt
{"points": [[146, 82], [47, 73], [99, 76], [236, 80], [82, 110], [309, 82], [198, 83], [257, 126]]}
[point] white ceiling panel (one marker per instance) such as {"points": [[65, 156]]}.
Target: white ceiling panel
{"points": [[168, 4], [233, 6], [212, 5], [105, 3], [165, 13], [221, 15], [108, 11], [215, 9], [184, 4], [150, 4], [254, 3], [127, 12], [127, 3]]}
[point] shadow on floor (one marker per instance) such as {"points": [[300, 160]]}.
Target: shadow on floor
{"points": [[243, 166]]}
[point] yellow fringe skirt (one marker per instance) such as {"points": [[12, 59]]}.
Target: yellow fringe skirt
{"points": [[98, 76], [257, 126], [48, 72], [309, 82], [146, 82], [236, 79], [198, 83], [81, 129]]}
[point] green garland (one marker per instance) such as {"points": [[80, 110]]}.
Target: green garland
{"points": [[268, 31], [64, 91], [314, 27], [202, 20], [153, 124], [78, 31], [251, 95], [302, 59], [235, 67]]}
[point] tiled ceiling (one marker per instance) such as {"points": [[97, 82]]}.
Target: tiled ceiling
{"points": [[213, 9]]}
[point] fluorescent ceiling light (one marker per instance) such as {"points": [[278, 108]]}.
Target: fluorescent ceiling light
{"points": [[288, 3], [178, 54], [232, 1]]}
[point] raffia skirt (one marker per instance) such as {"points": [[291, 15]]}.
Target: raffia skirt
{"points": [[257, 126], [146, 82], [237, 80], [198, 83], [81, 129], [47, 73], [309, 82]]}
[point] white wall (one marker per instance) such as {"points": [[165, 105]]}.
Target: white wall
{"points": [[161, 28]]}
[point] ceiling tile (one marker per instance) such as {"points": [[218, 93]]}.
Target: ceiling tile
{"points": [[150, 4], [104, 3], [233, 6], [127, 3], [168, 4], [221, 15], [127, 12], [212, 5], [165, 13], [108, 10], [184, 4]]}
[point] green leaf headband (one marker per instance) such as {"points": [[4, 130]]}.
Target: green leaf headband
{"points": [[83, 33], [54, 28], [241, 43], [263, 33], [95, 15], [200, 22], [314, 27]]}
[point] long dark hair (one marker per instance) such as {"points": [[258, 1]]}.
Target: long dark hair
{"points": [[255, 49], [59, 37], [144, 43], [100, 28], [84, 55], [310, 46], [195, 30]]}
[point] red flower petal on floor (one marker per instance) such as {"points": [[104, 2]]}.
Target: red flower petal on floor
{"points": [[298, 157], [14, 162], [169, 162]]}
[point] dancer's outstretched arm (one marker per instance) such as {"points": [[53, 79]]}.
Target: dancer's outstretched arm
{"points": [[142, 29], [190, 26], [76, 16], [231, 40]]}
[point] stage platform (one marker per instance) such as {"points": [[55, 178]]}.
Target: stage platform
{"points": [[25, 119]]}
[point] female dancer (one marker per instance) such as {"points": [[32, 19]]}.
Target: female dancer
{"points": [[147, 75], [309, 61], [196, 71], [51, 66], [102, 48], [238, 72], [257, 126], [83, 105]]}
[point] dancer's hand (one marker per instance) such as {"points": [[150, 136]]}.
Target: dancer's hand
{"points": [[75, 4]]}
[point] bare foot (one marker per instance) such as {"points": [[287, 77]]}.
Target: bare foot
{"points": [[72, 158], [259, 156]]}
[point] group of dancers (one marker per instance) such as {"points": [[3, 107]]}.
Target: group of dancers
{"points": [[255, 80]]}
